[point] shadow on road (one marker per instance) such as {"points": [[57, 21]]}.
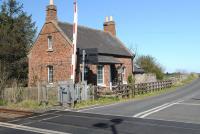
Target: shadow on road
{"points": [[112, 125]]}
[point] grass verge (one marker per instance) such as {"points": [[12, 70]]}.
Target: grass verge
{"points": [[110, 100], [30, 105]]}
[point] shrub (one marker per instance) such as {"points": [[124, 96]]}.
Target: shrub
{"points": [[150, 65], [131, 79], [3, 102]]}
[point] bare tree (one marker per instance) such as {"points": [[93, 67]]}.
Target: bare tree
{"points": [[134, 49]]}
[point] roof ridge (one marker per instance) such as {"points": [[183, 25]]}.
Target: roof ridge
{"points": [[82, 26]]}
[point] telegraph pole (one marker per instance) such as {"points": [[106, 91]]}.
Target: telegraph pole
{"points": [[83, 70]]}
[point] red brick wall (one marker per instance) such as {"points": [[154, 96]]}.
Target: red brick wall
{"points": [[110, 27], [40, 57], [51, 13], [127, 62], [107, 75]]}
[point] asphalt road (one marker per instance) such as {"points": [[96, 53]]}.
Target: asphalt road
{"points": [[182, 105], [177, 112], [63, 122]]}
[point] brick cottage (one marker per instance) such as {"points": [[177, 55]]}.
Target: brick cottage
{"points": [[50, 56]]}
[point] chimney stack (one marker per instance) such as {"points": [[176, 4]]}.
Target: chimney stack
{"points": [[109, 25], [51, 12]]}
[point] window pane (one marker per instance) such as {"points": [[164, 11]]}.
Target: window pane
{"points": [[100, 74], [50, 74], [50, 43]]}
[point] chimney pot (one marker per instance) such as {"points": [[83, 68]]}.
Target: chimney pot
{"points": [[111, 18], [107, 19], [51, 2]]}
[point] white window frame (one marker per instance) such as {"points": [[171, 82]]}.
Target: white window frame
{"points": [[50, 82], [50, 43], [100, 84]]}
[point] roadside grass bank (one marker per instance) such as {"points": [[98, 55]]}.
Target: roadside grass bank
{"points": [[111, 100], [29, 105]]}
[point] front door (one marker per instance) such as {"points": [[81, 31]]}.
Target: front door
{"points": [[113, 74]]}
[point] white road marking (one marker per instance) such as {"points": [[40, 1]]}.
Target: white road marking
{"points": [[139, 114], [156, 109], [189, 104], [30, 129]]}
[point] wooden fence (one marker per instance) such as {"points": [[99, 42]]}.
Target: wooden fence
{"points": [[42, 94], [132, 90], [19, 94]]}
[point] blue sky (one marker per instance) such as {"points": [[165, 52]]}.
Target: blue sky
{"points": [[166, 29]]}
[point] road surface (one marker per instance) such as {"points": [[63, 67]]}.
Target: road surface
{"points": [[182, 105], [177, 112]]}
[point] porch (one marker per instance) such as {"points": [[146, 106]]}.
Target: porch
{"points": [[107, 73]]}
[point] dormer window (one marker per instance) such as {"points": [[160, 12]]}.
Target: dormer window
{"points": [[50, 43]]}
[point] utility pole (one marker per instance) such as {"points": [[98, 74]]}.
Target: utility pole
{"points": [[83, 70]]}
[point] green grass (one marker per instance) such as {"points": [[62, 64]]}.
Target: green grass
{"points": [[35, 106], [29, 105], [3, 103], [111, 100], [100, 101]]}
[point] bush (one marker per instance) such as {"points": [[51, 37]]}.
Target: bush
{"points": [[3, 102], [131, 79], [150, 65]]}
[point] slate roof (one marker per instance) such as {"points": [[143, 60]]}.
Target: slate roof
{"points": [[138, 70], [92, 38], [108, 59]]}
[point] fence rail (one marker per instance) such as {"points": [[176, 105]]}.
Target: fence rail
{"points": [[136, 89], [45, 94]]}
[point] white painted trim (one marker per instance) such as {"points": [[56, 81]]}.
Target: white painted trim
{"points": [[49, 74], [101, 84], [124, 76], [110, 78], [50, 43]]}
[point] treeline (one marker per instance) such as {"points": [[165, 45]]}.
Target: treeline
{"points": [[17, 32]]}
